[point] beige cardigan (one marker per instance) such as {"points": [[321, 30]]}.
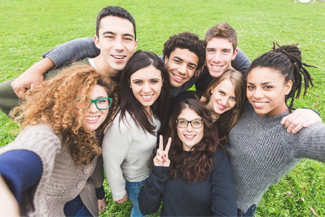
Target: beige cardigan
{"points": [[61, 179]]}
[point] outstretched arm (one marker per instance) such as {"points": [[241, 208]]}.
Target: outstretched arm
{"points": [[8, 203]]}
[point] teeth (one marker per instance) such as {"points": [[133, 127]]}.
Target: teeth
{"points": [[189, 136], [147, 97], [218, 67], [178, 77], [92, 118], [118, 57], [260, 103]]}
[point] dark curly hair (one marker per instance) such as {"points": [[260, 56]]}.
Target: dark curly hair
{"points": [[200, 161], [186, 40], [287, 60]]}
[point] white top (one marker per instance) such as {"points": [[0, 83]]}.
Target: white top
{"points": [[126, 152]]}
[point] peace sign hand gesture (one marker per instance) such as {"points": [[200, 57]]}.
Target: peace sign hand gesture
{"points": [[161, 159]]}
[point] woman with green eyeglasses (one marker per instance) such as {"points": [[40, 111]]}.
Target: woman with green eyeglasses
{"points": [[54, 166]]}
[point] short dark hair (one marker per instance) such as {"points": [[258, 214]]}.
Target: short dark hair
{"points": [[115, 11], [221, 30], [185, 40], [142, 59]]}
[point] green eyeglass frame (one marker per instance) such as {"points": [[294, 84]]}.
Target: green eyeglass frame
{"points": [[91, 101]]}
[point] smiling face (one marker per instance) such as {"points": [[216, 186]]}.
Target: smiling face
{"points": [[222, 97], [116, 41], [219, 53], [266, 90], [189, 135], [181, 66], [146, 85], [94, 117]]}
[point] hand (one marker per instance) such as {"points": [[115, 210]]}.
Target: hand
{"points": [[32, 77], [101, 205], [124, 199], [198, 72], [300, 118], [161, 159], [8, 203]]}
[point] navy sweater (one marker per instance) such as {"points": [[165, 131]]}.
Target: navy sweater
{"points": [[213, 196]]}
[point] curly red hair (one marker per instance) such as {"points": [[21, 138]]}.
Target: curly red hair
{"points": [[51, 103]]}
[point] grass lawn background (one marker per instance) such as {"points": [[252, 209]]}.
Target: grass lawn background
{"points": [[30, 28]]}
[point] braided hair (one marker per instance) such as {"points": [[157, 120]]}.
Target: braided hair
{"points": [[287, 60]]}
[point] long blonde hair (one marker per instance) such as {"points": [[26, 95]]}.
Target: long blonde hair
{"points": [[228, 119], [51, 103]]}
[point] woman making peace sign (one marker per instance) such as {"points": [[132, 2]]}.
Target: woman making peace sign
{"points": [[195, 178]]}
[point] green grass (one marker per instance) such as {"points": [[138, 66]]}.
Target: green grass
{"points": [[30, 28]]}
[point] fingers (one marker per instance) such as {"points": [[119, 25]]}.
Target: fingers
{"points": [[299, 119], [161, 141], [168, 147]]}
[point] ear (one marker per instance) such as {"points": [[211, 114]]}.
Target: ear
{"points": [[288, 87], [96, 39], [166, 59], [136, 45], [235, 54]]}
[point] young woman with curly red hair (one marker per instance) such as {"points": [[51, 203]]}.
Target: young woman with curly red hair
{"points": [[54, 166]]}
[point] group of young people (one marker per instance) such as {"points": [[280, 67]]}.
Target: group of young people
{"points": [[210, 152]]}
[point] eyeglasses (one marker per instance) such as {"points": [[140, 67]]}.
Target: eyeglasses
{"points": [[196, 123], [101, 103]]}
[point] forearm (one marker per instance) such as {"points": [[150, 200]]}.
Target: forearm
{"points": [[151, 193], [21, 169], [77, 49]]}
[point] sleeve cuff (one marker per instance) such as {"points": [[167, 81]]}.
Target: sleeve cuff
{"points": [[100, 193], [161, 172]]}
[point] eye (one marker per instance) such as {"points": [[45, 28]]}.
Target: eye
{"points": [[222, 93], [191, 67], [225, 51], [250, 87], [128, 39], [138, 82], [210, 50], [154, 81], [268, 87], [177, 61], [232, 99], [102, 100], [109, 36]]}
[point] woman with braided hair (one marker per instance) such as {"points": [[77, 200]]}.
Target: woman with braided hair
{"points": [[54, 166], [260, 149]]}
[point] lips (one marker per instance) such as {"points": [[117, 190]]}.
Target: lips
{"points": [[221, 107], [189, 137], [147, 97], [259, 104], [178, 78], [118, 57], [92, 119]]}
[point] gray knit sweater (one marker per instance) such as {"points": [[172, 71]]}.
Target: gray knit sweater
{"points": [[261, 151]]}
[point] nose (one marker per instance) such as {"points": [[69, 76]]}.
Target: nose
{"points": [[216, 57], [258, 93], [182, 69], [189, 127], [224, 101], [146, 87], [92, 108], [118, 45]]}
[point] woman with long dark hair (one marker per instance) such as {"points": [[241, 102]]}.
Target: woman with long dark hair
{"points": [[54, 166], [130, 139], [194, 177]]}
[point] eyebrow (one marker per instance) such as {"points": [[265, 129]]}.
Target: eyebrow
{"points": [[113, 33], [264, 83], [135, 79]]}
